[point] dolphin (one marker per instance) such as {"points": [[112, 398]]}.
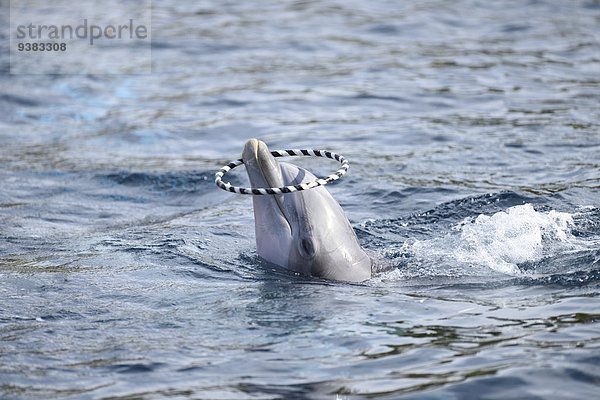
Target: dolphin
{"points": [[305, 231]]}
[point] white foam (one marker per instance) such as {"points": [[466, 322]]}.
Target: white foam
{"points": [[485, 244], [507, 239]]}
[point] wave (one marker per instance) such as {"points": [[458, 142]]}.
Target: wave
{"points": [[516, 242]]}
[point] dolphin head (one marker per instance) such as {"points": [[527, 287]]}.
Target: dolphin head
{"points": [[304, 231]]}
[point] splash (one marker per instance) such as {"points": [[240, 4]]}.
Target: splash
{"points": [[512, 237], [478, 246]]}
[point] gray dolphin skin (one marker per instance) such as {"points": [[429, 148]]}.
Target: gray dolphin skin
{"points": [[306, 231]]}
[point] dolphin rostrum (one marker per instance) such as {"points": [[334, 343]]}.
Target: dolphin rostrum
{"points": [[305, 231]]}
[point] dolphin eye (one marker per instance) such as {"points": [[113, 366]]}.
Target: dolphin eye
{"points": [[307, 248]]}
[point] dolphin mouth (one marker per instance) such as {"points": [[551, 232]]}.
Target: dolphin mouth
{"points": [[264, 171], [257, 156]]}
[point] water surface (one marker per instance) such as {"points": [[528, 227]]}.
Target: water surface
{"points": [[472, 132]]}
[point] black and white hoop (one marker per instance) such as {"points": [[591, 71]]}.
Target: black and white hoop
{"points": [[284, 189]]}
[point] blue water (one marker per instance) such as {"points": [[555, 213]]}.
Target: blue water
{"points": [[472, 131]]}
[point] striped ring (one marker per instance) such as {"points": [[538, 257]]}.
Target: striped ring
{"points": [[284, 189]]}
